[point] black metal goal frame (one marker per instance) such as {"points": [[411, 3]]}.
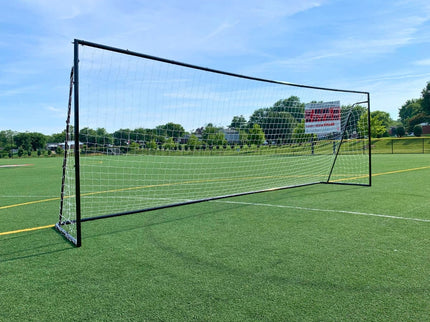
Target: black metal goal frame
{"points": [[74, 86]]}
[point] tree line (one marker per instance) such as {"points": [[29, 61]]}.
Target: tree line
{"points": [[281, 123], [412, 114], [415, 112]]}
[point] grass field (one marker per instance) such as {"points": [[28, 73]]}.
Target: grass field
{"points": [[406, 145], [316, 253], [119, 183]]}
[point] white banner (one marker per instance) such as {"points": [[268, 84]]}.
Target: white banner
{"points": [[322, 118]]}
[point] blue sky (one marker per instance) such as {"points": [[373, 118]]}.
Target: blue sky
{"points": [[378, 46]]}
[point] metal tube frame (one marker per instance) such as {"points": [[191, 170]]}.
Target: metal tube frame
{"points": [[79, 220]]}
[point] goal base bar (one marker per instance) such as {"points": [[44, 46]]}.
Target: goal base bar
{"points": [[210, 199], [349, 184], [66, 235], [77, 243]]}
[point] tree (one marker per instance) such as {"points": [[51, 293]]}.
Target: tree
{"points": [[299, 134], [30, 141], [418, 130], [291, 105], [171, 129], [134, 147], [60, 137], [37, 141], [256, 135], [416, 111], [88, 136], [400, 131], [238, 122], [169, 144], [121, 137], [213, 135], [277, 126], [377, 129], [243, 136], [279, 121], [193, 142], [103, 137], [409, 109], [416, 120], [23, 140], [6, 139], [141, 134], [93, 137], [384, 117], [152, 145], [425, 104], [355, 113]]}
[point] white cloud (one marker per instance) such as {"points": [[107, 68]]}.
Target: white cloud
{"points": [[64, 10], [380, 47], [55, 109], [423, 62], [221, 29]]}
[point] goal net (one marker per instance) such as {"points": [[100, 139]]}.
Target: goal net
{"points": [[147, 133]]}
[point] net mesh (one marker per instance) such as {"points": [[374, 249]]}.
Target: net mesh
{"points": [[155, 133]]}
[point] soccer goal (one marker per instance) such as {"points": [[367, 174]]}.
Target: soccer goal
{"points": [[146, 133]]}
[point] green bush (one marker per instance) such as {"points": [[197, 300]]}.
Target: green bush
{"points": [[400, 131], [418, 130]]}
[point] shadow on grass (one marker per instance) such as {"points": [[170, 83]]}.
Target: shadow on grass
{"points": [[282, 279], [164, 214], [31, 245], [273, 195]]}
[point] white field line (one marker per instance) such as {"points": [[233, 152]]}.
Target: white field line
{"points": [[323, 210]]}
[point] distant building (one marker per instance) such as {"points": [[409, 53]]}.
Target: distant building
{"points": [[426, 128], [54, 146], [232, 136]]}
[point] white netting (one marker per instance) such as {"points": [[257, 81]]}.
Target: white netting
{"points": [[155, 133]]}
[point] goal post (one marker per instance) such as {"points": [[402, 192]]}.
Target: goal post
{"points": [[148, 133]]}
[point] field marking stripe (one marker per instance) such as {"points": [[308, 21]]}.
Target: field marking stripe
{"points": [[193, 181], [145, 187], [25, 230], [199, 181], [381, 173], [400, 171], [29, 203], [322, 210]]}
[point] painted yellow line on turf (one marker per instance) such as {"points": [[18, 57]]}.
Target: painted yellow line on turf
{"points": [[399, 171], [25, 230], [381, 174], [29, 203], [201, 181]]}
